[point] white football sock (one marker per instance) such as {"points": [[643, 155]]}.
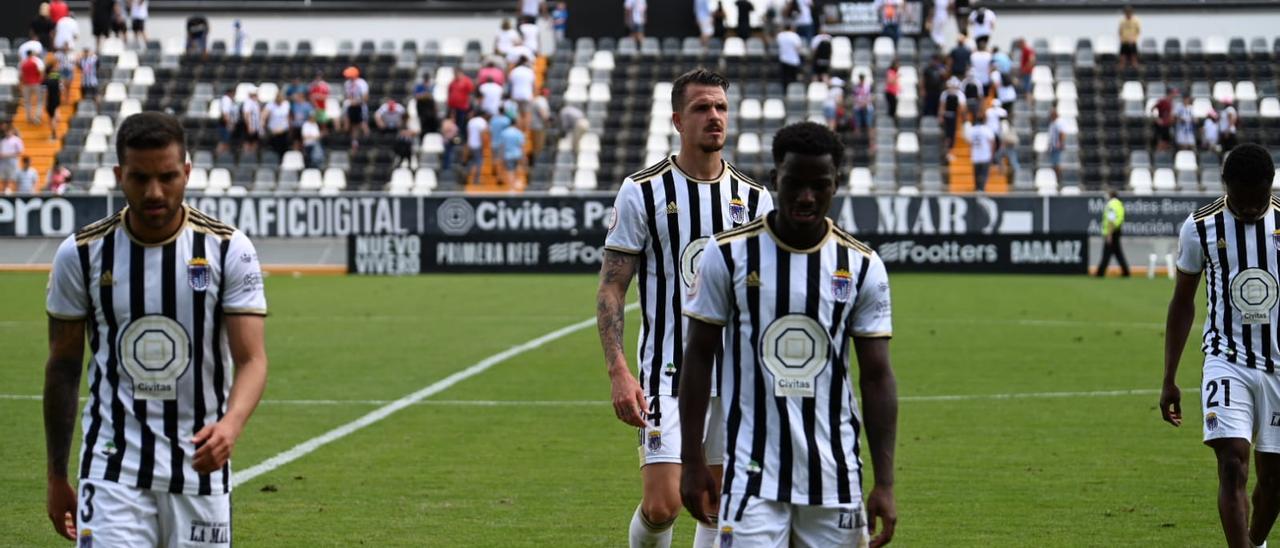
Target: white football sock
{"points": [[1263, 545], [706, 536], [645, 534]]}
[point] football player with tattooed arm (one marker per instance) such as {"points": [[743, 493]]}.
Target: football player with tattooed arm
{"points": [[664, 216]]}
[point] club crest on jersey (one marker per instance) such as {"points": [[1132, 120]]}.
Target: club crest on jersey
{"points": [[726, 537], [85, 538], [198, 274], [655, 441], [1275, 239], [842, 285], [737, 211], [1211, 420]]}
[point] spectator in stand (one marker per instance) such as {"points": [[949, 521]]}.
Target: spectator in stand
{"points": [[981, 150], [932, 85], [745, 8], [718, 22], [863, 110], [120, 20], [318, 92], [32, 44], [635, 17], [938, 23], [27, 177], [789, 45], [31, 71], [449, 134], [424, 100], [312, 149], [65, 33], [889, 13], [974, 92], [491, 94], [891, 88], [530, 10], [982, 22], [138, 14], [958, 59], [1006, 92], [57, 10], [390, 117], [250, 123], [1184, 125], [88, 75], [539, 119], [505, 39], [821, 49], [962, 10], [831, 106], [276, 118], [497, 152], [1008, 152], [66, 67], [491, 73], [101, 14], [530, 37], [403, 147], [299, 112], [521, 82], [980, 62], [295, 87], [952, 103], [459, 101], [11, 148], [702, 16], [1209, 132], [518, 52], [1057, 142], [560, 20], [1026, 64], [229, 128], [476, 128], [357, 105], [239, 39], [1001, 61], [1130, 31], [1162, 123], [58, 180], [802, 18], [573, 124], [512, 152], [1227, 120], [53, 96], [42, 25], [197, 34]]}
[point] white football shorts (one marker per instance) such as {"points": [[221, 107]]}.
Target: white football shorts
{"points": [[111, 514], [1239, 402], [660, 440], [753, 522]]}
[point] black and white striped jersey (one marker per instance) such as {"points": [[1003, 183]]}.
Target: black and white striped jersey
{"points": [[1241, 262], [666, 218], [792, 421], [161, 368]]}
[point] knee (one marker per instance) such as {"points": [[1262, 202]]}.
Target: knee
{"points": [[1233, 467], [660, 510]]}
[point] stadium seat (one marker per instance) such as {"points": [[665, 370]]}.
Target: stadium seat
{"points": [[198, 179], [95, 143], [114, 93], [102, 126], [400, 177], [128, 108], [602, 61], [424, 179], [734, 47], [267, 92], [884, 50], [589, 143], [1223, 91], [589, 161], [860, 180], [1164, 180], [584, 179], [1042, 74], [1046, 179], [105, 178], [335, 179], [143, 76], [8, 76], [1140, 180], [1066, 91], [127, 60], [1269, 107], [219, 178], [1246, 91], [1184, 160], [599, 93], [293, 161], [907, 143], [311, 180]]}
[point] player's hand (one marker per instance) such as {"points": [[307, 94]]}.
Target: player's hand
{"points": [[628, 399], [880, 507], [1171, 404], [697, 492], [214, 443], [61, 505]]}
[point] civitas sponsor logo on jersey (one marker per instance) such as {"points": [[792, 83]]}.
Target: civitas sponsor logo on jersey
{"points": [[459, 216], [908, 251], [1046, 252], [574, 253]]}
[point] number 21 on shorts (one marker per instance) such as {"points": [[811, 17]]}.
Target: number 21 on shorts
{"points": [[1218, 392]]}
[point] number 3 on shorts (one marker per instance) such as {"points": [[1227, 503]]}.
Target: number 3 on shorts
{"points": [[1211, 388], [86, 507]]}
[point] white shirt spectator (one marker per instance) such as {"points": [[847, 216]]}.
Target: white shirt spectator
{"points": [[27, 179], [981, 62], [985, 27], [139, 10], [506, 40], [11, 147], [357, 91], [638, 9], [789, 45], [30, 45], [529, 8], [491, 97], [1227, 121], [277, 118], [818, 39], [475, 132], [805, 14], [65, 33], [1006, 92], [251, 113], [228, 107], [529, 36], [518, 52], [1210, 132], [1056, 142], [521, 80], [835, 96], [981, 139], [310, 133], [391, 114]]}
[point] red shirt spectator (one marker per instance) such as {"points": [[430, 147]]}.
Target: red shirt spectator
{"points": [[58, 9], [32, 74], [491, 73], [1028, 59], [319, 93], [1164, 111], [460, 90]]}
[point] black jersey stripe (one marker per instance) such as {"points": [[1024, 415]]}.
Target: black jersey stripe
{"points": [[95, 415], [717, 209], [753, 202], [673, 242], [657, 334], [717, 225], [808, 406], [1213, 338], [760, 423], [106, 297], [734, 416], [198, 312], [1224, 269], [782, 307], [219, 371], [1261, 244], [839, 374], [138, 309], [1243, 262], [169, 306]]}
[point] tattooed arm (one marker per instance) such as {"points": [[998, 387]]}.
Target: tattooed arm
{"points": [[616, 272], [61, 397]]}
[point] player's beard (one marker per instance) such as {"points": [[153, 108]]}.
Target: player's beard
{"points": [[708, 148]]}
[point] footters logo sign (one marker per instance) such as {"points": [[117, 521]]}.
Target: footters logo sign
{"points": [[985, 253]]}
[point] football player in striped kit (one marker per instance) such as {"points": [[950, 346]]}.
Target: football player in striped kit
{"points": [[786, 294], [172, 303]]}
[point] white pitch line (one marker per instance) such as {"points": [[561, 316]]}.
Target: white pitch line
{"points": [[305, 448], [588, 403]]}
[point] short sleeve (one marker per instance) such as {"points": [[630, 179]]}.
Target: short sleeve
{"points": [[872, 316], [766, 203], [628, 231], [1190, 252], [708, 296], [67, 297], [242, 280]]}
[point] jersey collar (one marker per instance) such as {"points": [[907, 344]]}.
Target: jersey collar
{"points": [[816, 247], [125, 221], [724, 170]]}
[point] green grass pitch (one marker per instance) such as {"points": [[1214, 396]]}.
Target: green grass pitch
{"points": [[1096, 470]]}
